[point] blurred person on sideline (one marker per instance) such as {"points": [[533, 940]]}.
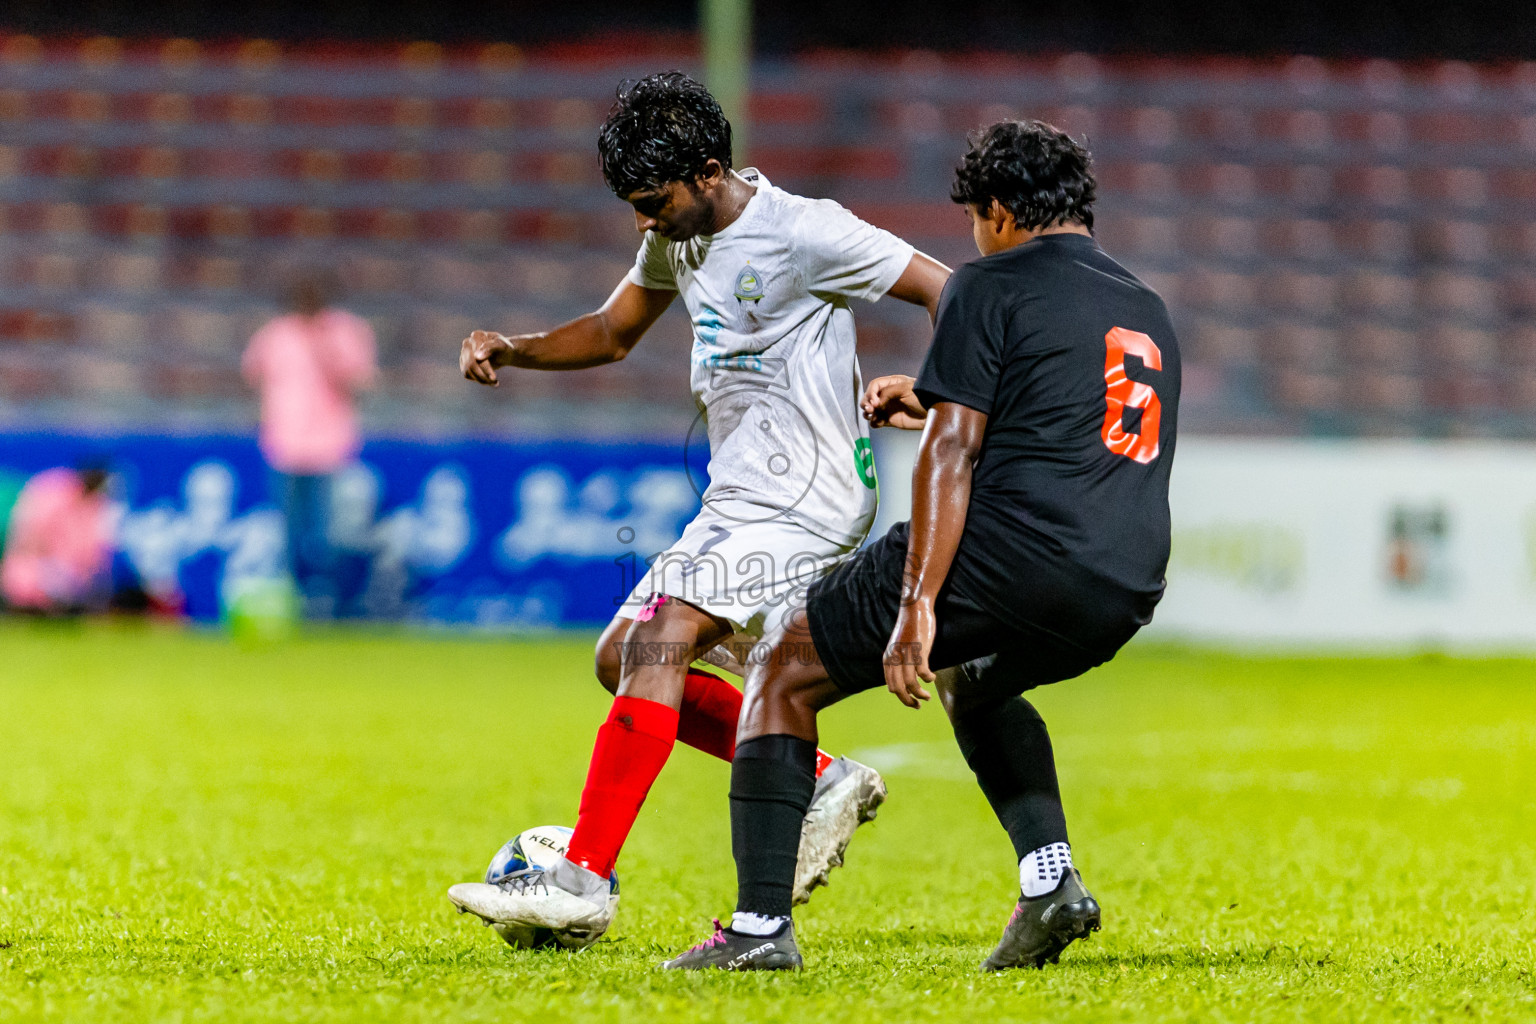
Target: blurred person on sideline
{"points": [[58, 546], [309, 366]]}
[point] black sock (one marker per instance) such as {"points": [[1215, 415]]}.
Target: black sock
{"points": [[1006, 745], [772, 779]]}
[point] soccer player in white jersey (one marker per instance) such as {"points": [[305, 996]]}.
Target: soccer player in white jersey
{"points": [[766, 277]]}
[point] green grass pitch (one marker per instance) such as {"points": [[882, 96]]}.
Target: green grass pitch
{"points": [[195, 831]]}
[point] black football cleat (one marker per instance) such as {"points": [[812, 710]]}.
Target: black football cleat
{"points": [[733, 951], [1042, 927]]}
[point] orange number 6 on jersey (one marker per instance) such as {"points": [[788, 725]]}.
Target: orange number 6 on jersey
{"points": [[1121, 392]]}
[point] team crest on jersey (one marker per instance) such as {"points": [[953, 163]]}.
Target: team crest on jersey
{"points": [[749, 284]]}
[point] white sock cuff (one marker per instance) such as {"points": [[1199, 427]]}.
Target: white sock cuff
{"points": [[1041, 870], [755, 924]]}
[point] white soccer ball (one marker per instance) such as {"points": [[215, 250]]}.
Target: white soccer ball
{"points": [[537, 847]]}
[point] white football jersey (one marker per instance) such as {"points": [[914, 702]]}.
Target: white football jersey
{"points": [[774, 371]]}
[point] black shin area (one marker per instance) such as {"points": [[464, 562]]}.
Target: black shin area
{"points": [[772, 779], [1007, 746]]}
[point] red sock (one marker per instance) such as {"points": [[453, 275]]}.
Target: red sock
{"points": [[707, 721], [631, 749]]}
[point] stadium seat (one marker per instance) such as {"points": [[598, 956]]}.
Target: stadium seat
{"points": [[1310, 240], [1462, 347], [131, 272], [1360, 210], [406, 168], [1469, 297], [1300, 294], [1386, 391], [115, 329], [1233, 293], [249, 111], [1304, 390], [1223, 343], [1383, 294], [493, 115], [487, 169], [86, 107], [1310, 348], [169, 112], [1371, 346], [15, 106], [414, 115], [1464, 188]]}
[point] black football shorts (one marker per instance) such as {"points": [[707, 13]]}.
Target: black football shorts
{"points": [[851, 611]]}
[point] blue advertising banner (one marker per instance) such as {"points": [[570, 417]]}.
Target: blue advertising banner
{"points": [[467, 532]]}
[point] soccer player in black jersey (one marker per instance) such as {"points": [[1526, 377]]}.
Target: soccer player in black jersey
{"points": [[1037, 545]]}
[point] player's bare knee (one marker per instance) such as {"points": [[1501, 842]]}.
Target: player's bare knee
{"points": [[608, 661], [660, 645], [944, 684], [784, 696], [608, 670]]}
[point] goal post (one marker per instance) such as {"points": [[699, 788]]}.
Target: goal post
{"points": [[726, 30]]}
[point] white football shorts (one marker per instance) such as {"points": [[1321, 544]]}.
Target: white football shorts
{"points": [[741, 563]]}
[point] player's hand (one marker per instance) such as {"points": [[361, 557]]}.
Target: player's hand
{"points": [[889, 402], [481, 353], [906, 656]]}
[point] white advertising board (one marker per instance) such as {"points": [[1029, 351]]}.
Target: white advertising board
{"points": [[1348, 543]]}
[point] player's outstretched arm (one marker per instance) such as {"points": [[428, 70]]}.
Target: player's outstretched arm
{"points": [[603, 336], [890, 401], [941, 496], [922, 283]]}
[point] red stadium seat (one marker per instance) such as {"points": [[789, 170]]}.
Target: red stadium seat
{"points": [[249, 111], [1462, 346], [1517, 391], [1457, 241], [415, 115], [1220, 290], [1449, 293], [492, 115], [1310, 294], [1230, 237], [1310, 348], [1223, 343], [322, 166], [158, 163], [1372, 345], [1384, 390], [487, 169], [1336, 221], [787, 108], [368, 276], [131, 272], [88, 107], [37, 326], [1309, 239], [1384, 294], [115, 329], [169, 112], [15, 106], [1301, 389]]}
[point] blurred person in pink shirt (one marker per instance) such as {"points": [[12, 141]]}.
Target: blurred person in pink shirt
{"points": [[58, 546], [309, 366]]}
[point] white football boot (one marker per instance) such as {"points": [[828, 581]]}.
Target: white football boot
{"points": [[566, 898], [847, 795]]}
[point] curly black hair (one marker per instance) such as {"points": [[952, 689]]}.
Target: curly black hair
{"points": [[663, 128], [1036, 171]]}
